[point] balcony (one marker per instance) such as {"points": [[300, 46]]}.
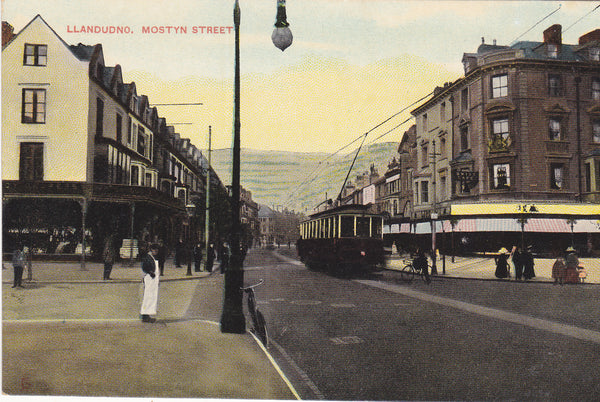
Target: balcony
{"points": [[557, 147], [90, 191]]}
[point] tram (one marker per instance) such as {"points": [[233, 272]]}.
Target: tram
{"points": [[347, 238]]}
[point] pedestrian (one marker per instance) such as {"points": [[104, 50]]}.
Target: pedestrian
{"points": [[517, 259], [151, 280], [572, 264], [224, 257], [420, 264], [28, 262], [108, 256], [528, 263], [198, 251], [210, 257], [161, 257], [502, 263], [558, 270], [18, 262], [179, 251]]}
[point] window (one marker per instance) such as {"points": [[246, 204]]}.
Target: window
{"points": [[363, 226], [554, 130], [596, 131], [501, 176], [425, 123], [130, 128], [588, 177], [552, 50], [148, 180], [556, 176], [443, 187], [33, 109], [443, 112], [464, 138], [464, 99], [500, 128], [554, 85], [31, 161], [35, 55], [424, 192], [347, 226], [424, 156], [141, 141], [119, 124], [443, 153], [595, 54], [596, 88], [135, 175], [99, 117], [499, 86]]}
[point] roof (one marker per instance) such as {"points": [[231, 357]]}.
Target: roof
{"points": [[82, 52]]}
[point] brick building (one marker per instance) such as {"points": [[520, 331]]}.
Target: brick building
{"points": [[513, 147]]}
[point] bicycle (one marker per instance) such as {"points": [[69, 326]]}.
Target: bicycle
{"points": [[408, 273], [258, 320]]}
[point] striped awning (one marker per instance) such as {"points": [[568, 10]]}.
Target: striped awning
{"points": [[544, 225]]}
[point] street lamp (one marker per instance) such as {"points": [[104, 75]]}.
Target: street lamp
{"points": [[232, 317], [191, 212], [282, 36]]}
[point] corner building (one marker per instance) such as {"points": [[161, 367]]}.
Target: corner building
{"points": [[510, 153], [85, 157]]}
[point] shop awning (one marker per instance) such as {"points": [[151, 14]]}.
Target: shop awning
{"points": [[587, 226]]}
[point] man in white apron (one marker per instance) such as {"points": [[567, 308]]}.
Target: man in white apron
{"points": [[151, 278]]}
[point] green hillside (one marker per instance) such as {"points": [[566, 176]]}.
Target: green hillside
{"points": [[299, 180]]}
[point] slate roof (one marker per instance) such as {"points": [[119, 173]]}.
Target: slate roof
{"points": [[82, 52]]}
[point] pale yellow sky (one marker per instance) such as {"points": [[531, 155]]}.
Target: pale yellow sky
{"points": [[353, 63]]}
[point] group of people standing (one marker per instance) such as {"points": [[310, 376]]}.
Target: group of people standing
{"points": [[566, 269], [522, 260]]}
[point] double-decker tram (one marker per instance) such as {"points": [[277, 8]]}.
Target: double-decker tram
{"points": [[347, 238]]}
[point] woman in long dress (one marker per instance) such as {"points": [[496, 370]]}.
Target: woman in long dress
{"points": [[502, 263], [151, 279]]}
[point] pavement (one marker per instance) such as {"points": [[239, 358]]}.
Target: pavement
{"points": [[70, 333], [483, 268]]}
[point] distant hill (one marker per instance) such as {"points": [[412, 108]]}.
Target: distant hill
{"points": [[299, 180]]}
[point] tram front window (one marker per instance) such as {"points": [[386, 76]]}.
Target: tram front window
{"points": [[347, 226], [363, 227], [377, 224]]}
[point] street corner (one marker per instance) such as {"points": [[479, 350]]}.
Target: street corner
{"points": [[200, 361]]}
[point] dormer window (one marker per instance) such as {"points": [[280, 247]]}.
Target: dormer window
{"points": [[595, 54], [552, 50], [35, 55]]}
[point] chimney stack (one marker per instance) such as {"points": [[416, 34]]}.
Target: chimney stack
{"points": [[553, 35], [590, 37], [7, 32]]}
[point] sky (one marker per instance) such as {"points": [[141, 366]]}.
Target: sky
{"points": [[352, 64]]}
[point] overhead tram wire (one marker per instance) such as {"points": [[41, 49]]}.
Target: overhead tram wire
{"points": [[308, 181], [576, 22], [534, 25]]}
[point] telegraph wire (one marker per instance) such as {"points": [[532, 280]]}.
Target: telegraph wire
{"points": [[536, 24], [363, 136], [595, 8]]}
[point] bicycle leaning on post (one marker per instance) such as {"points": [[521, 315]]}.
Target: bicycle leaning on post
{"points": [[409, 271], [259, 328]]}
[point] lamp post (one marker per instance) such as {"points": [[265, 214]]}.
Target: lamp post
{"points": [[191, 212], [232, 317]]}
